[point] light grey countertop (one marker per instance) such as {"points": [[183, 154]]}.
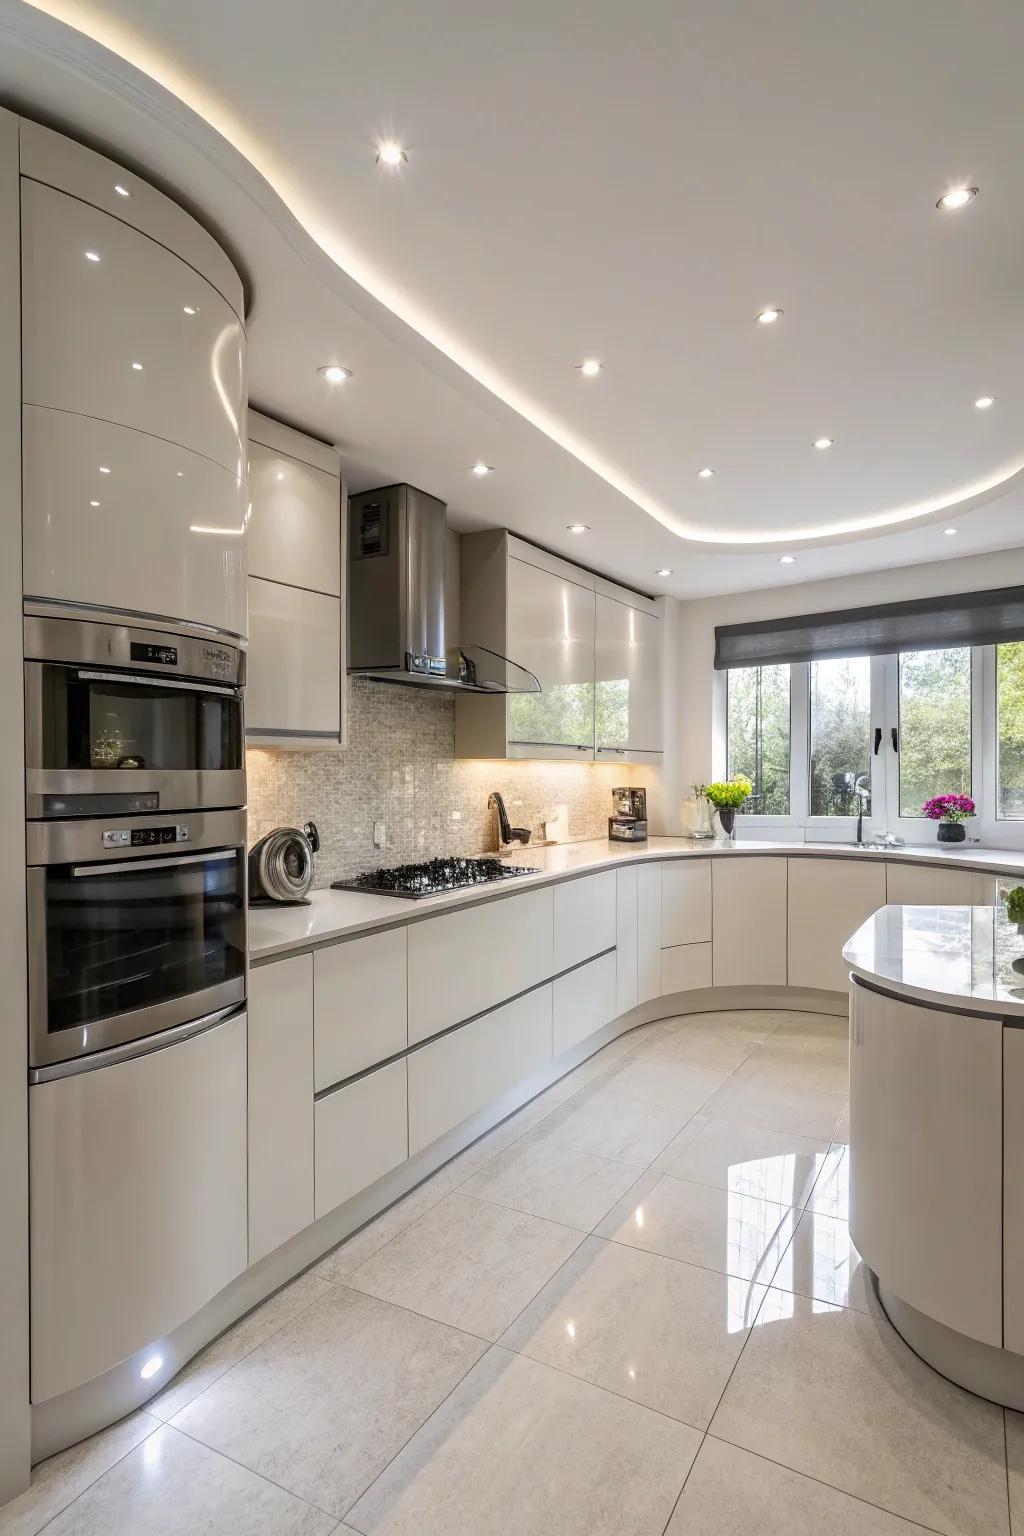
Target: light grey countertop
{"points": [[960, 957], [334, 915]]}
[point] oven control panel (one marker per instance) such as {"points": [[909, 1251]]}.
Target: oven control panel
{"points": [[144, 837]]}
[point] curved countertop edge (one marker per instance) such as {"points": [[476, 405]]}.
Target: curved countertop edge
{"points": [[336, 915], [896, 948]]}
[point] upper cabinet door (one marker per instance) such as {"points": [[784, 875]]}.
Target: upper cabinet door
{"points": [[295, 527], [115, 326], [628, 665], [551, 631]]}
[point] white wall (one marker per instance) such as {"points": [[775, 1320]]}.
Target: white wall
{"points": [[14, 1387], [692, 699]]}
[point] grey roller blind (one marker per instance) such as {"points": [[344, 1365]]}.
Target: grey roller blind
{"points": [[925, 624]]}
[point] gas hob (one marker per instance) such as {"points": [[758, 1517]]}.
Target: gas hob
{"points": [[432, 877]]}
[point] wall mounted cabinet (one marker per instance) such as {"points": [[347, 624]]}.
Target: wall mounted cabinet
{"points": [[296, 672], [595, 648]]}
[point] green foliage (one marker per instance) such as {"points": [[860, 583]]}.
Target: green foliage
{"points": [[1010, 741], [728, 794], [935, 726], [758, 745], [840, 734], [1015, 904]]}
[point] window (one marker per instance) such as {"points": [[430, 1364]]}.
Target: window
{"points": [[840, 736], [759, 736], [934, 742], [1010, 731]]}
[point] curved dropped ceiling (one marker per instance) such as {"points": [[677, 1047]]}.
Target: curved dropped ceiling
{"points": [[130, 44]]}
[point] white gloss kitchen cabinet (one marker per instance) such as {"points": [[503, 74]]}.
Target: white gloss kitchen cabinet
{"points": [[295, 693], [133, 390], [595, 649], [828, 901]]}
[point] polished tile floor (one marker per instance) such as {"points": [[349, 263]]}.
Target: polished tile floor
{"points": [[632, 1309]]}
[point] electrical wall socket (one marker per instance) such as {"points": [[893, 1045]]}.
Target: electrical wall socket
{"points": [[379, 837]]}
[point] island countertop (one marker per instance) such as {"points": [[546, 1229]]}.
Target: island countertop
{"points": [[951, 957], [334, 915]]}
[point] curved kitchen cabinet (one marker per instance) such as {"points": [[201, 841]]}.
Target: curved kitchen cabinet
{"points": [[138, 1202], [115, 325]]}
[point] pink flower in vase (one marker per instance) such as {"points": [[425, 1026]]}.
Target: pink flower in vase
{"points": [[948, 808]]}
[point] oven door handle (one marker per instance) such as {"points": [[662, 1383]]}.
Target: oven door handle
{"points": [[155, 682], [123, 868]]}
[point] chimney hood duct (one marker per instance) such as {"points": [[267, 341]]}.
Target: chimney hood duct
{"points": [[396, 624]]}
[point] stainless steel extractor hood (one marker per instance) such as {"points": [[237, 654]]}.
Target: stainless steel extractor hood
{"points": [[396, 604]]}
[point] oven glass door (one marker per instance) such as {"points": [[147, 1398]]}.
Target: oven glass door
{"points": [[93, 720], [138, 946]]}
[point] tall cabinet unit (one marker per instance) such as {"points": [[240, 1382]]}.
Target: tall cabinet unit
{"points": [[133, 396], [594, 647], [295, 694]]}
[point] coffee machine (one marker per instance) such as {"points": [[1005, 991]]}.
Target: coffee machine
{"points": [[628, 823]]}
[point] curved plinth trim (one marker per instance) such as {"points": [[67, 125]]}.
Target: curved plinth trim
{"points": [[995, 1374]]}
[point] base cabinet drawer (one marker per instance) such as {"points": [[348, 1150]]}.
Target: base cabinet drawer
{"points": [[685, 902], [280, 1102], [583, 1002], [466, 962], [685, 967], [584, 918], [453, 1078], [361, 1133], [361, 1009]]}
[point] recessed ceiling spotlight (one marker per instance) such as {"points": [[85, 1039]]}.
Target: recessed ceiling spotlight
{"points": [[390, 153], [984, 402], [949, 532], [956, 197], [589, 367], [190, 309], [137, 367], [482, 469], [769, 316], [665, 571], [92, 255], [823, 442], [121, 191], [104, 469], [787, 559], [578, 527], [334, 373], [280, 474], [705, 474], [94, 503]]}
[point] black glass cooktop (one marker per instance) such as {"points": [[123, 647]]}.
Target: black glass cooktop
{"points": [[414, 880]]}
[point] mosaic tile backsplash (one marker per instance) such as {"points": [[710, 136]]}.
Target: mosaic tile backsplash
{"points": [[399, 767]]}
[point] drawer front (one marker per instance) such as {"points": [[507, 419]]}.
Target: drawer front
{"points": [[85, 324], [685, 967], [151, 543], [583, 1002], [360, 1010], [280, 1103], [685, 902], [295, 529], [584, 918], [361, 1133], [453, 1078], [466, 962], [648, 922], [293, 674]]}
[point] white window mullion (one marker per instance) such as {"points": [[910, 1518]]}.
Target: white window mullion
{"points": [[885, 763], [800, 740]]}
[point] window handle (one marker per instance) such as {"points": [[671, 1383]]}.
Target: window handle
{"points": [[895, 739], [878, 738]]}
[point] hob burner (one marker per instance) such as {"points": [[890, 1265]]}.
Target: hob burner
{"points": [[432, 877]]}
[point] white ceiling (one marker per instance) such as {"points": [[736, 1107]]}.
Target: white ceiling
{"points": [[605, 181]]}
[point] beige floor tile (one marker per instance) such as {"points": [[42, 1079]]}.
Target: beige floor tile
{"points": [[60, 1479], [171, 1486], [237, 1342], [1015, 1470], [729, 1492], [821, 1262], [836, 1395], [323, 1406], [545, 1179], [659, 1332], [842, 1135], [814, 1070], [613, 1121], [735, 1234], [664, 1080], [747, 1159], [778, 1107], [521, 1450], [355, 1250], [831, 1192], [468, 1263]]}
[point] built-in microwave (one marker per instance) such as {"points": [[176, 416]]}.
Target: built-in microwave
{"points": [[121, 720], [136, 928]]}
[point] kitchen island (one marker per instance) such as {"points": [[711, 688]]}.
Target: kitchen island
{"points": [[936, 1136]]}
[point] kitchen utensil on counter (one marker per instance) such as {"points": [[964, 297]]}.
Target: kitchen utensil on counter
{"points": [[281, 867], [628, 824]]}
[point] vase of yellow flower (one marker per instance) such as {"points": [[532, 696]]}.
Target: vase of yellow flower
{"points": [[727, 796]]}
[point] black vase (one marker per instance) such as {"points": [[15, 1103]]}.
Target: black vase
{"points": [[952, 832], [727, 816]]}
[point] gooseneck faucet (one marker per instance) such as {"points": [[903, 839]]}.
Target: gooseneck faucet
{"points": [[507, 833], [863, 793]]}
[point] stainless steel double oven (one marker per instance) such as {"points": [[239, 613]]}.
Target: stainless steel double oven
{"points": [[135, 781]]}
